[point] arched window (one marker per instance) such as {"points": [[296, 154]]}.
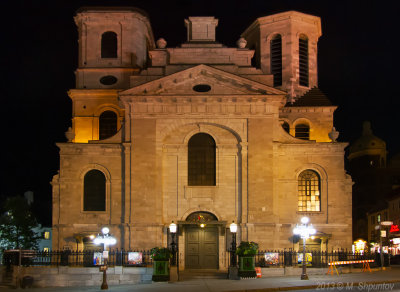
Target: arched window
{"points": [[309, 191], [201, 160], [276, 59], [94, 191], [302, 131], [107, 124], [286, 127], [303, 60], [109, 45]]}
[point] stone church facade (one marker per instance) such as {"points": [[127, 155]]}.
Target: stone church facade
{"points": [[199, 134]]}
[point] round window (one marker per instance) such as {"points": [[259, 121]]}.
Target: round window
{"points": [[108, 80], [202, 87]]}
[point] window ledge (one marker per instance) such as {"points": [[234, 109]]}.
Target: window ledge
{"points": [[310, 213]]}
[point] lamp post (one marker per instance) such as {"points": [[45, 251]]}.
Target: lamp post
{"points": [[304, 230], [105, 239], [233, 229], [173, 229], [383, 223]]}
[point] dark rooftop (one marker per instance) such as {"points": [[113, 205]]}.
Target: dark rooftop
{"points": [[313, 97]]}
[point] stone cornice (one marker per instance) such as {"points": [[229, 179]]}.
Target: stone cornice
{"points": [[302, 146], [85, 149], [308, 109], [238, 106], [93, 93], [294, 15]]}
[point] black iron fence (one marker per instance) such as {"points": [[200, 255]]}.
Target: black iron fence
{"points": [[314, 259], [142, 258], [87, 258]]}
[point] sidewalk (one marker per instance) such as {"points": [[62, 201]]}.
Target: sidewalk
{"points": [[353, 281]]}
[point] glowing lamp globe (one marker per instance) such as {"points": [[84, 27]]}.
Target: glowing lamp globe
{"points": [[304, 220], [172, 227], [233, 227]]}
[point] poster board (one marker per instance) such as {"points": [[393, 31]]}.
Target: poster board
{"points": [[308, 258], [135, 258], [98, 259], [271, 258]]}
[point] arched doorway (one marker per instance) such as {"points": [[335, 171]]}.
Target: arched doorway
{"points": [[201, 241]]}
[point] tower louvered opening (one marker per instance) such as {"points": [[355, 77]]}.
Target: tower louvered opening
{"points": [[303, 60], [276, 59]]}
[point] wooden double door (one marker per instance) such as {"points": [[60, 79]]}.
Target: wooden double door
{"points": [[201, 248]]}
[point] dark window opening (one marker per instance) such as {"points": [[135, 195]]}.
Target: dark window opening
{"points": [[94, 193], [302, 131], [255, 60], [202, 88], [276, 59], [201, 160], [303, 60], [109, 45], [107, 125], [286, 127], [108, 80]]}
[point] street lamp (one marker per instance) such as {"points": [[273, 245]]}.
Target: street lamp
{"points": [[383, 223], [105, 239], [233, 229], [173, 229], [304, 231]]}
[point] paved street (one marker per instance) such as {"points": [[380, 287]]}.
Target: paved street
{"points": [[388, 280]]}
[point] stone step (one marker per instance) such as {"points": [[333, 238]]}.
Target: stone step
{"points": [[202, 274]]}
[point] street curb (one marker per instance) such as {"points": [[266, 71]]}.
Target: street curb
{"points": [[307, 287]]}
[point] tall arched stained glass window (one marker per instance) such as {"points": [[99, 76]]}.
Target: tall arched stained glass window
{"points": [[201, 160], [107, 124], [94, 191], [309, 191], [109, 45]]}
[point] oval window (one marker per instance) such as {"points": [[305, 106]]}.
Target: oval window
{"points": [[108, 80], [202, 87]]}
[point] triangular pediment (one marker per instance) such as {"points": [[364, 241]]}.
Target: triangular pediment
{"points": [[201, 80]]}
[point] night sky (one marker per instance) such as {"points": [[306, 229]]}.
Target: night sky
{"points": [[358, 70]]}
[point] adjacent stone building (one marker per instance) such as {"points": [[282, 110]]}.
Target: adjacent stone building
{"points": [[200, 134]]}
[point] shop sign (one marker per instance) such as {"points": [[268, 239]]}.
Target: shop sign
{"points": [[394, 228], [396, 241]]}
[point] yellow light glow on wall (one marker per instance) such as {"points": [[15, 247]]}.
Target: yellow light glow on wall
{"points": [[360, 245]]}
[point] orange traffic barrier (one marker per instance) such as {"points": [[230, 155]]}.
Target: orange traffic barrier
{"points": [[258, 272], [332, 265]]}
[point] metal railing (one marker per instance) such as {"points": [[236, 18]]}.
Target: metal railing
{"points": [[87, 258], [315, 259]]}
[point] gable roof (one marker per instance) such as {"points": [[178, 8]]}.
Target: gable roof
{"points": [[183, 82], [313, 97]]}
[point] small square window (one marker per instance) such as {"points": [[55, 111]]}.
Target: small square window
{"points": [[47, 235], [46, 249]]}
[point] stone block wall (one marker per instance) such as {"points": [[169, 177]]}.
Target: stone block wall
{"points": [[71, 277]]}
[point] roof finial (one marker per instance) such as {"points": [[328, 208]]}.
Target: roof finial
{"points": [[367, 128]]}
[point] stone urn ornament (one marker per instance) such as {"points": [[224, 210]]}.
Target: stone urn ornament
{"points": [[69, 134], [333, 135], [161, 43], [241, 43]]}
